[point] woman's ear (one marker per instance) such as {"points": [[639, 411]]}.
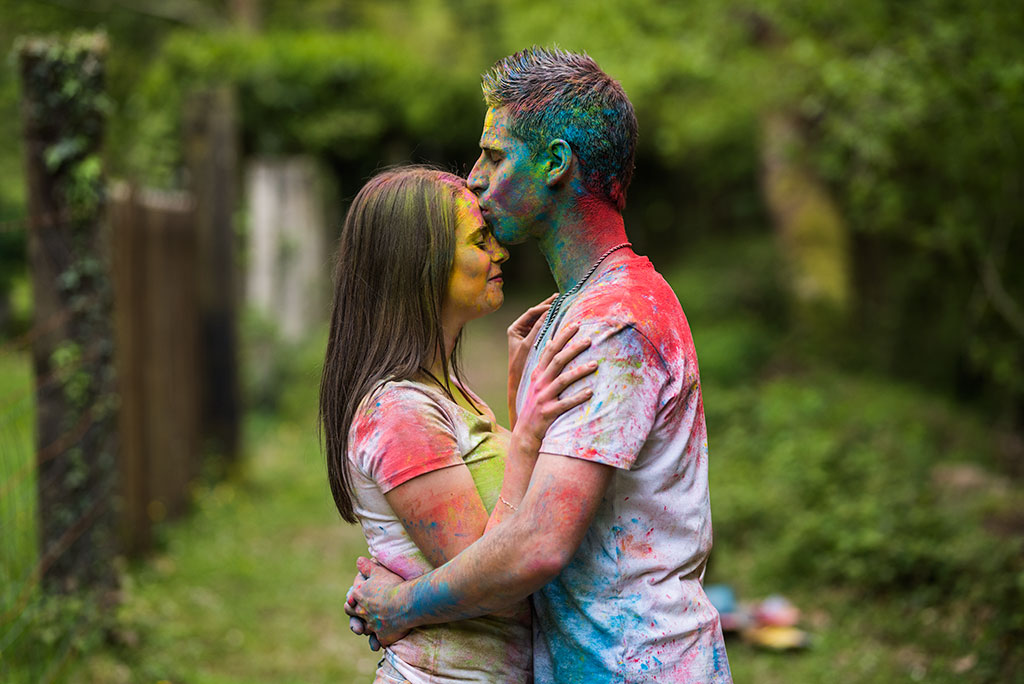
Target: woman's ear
{"points": [[559, 162]]}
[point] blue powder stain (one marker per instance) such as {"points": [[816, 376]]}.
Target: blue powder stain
{"points": [[643, 666], [430, 597], [718, 654], [635, 520]]}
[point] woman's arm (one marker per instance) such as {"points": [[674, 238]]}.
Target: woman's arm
{"points": [[441, 510], [541, 407]]}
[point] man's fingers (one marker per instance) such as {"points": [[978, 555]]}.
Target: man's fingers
{"points": [[349, 601], [357, 625], [365, 566]]}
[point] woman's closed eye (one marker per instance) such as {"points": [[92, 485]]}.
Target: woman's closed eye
{"points": [[483, 235]]}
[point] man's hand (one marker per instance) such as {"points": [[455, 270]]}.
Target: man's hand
{"points": [[372, 599], [521, 335]]}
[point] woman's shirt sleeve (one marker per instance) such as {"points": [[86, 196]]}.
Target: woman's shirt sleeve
{"points": [[399, 433]]}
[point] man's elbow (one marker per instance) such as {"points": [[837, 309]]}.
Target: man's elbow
{"points": [[546, 556]]}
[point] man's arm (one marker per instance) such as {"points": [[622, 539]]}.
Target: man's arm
{"points": [[505, 566], [530, 548]]}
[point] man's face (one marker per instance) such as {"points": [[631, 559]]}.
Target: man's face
{"points": [[507, 181]]}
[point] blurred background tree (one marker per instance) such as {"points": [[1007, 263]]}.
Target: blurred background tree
{"points": [[905, 118]]}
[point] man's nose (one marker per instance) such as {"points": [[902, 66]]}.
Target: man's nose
{"points": [[477, 181]]}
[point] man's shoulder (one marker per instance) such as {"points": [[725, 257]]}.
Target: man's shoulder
{"points": [[635, 298], [631, 294]]}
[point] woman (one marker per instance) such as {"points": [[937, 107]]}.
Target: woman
{"points": [[413, 454]]}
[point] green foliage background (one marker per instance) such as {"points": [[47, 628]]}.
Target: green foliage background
{"points": [[913, 111]]}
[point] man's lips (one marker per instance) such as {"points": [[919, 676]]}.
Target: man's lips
{"points": [[496, 277]]}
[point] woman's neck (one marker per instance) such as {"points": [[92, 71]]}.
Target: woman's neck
{"points": [[436, 366]]}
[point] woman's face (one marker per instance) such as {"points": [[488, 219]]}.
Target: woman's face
{"points": [[474, 288]]}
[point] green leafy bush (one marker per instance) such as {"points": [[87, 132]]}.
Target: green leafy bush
{"points": [[834, 481]]}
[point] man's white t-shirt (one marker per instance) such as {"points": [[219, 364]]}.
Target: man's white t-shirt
{"points": [[630, 606]]}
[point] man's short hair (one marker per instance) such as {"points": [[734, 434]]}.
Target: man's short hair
{"points": [[551, 93]]}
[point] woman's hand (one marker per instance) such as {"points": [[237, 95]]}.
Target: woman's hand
{"points": [[521, 335], [549, 378]]}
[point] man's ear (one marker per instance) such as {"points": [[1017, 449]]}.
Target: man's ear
{"points": [[559, 162]]}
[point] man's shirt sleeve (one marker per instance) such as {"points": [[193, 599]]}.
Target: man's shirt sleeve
{"points": [[613, 425]]}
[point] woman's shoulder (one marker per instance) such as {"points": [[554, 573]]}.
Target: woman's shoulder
{"points": [[395, 391], [394, 401]]}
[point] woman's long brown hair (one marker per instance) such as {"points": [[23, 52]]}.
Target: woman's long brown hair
{"points": [[394, 260]]}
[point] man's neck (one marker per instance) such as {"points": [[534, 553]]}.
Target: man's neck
{"points": [[585, 230]]}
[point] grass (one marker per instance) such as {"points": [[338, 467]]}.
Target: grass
{"points": [[250, 587], [17, 487]]}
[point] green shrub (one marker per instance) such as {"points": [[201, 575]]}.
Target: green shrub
{"points": [[829, 480]]}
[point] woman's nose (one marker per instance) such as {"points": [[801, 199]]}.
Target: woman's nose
{"points": [[500, 253]]}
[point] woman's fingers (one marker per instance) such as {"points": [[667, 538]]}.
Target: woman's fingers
{"points": [[562, 358], [567, 378], [534, 331], [563, 405], [524, 324], [556, 344]]}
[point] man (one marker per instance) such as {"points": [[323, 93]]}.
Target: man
{"points": [[612, 535]]}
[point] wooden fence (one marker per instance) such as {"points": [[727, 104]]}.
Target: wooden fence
{"points": [[133, 354], [156, 319]]}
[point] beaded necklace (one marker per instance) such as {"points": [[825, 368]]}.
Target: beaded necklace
{"points": [[556, 305]]}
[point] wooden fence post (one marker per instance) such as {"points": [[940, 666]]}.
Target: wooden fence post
{"points": [[157, 323], [211, 150], [63, 112]]}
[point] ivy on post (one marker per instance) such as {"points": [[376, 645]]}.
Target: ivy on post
{"points": [[64, 111]]}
